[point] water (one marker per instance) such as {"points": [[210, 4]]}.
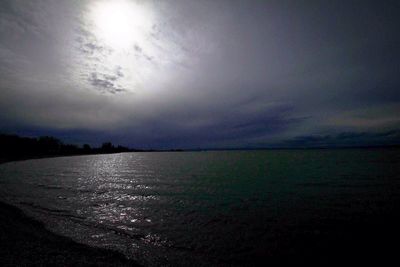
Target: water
{"points": [[203, 208]]}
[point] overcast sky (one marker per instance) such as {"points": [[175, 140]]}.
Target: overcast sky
{"points": [[188, 74]]}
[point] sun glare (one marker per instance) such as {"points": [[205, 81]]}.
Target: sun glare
{"points": [[120, 23]]}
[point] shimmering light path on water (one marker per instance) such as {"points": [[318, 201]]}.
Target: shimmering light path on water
{"points": [[201, 207]]}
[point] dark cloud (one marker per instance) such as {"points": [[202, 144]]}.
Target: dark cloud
{"points": [[118, 72], [105, 82], [346, 139], [88, 44], [140, 53], [205, 73]]}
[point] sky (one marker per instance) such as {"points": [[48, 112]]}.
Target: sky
{"points": [[201, 74]]}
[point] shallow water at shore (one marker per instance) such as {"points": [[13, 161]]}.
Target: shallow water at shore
{"points": [[204, 208], [25, 242]]}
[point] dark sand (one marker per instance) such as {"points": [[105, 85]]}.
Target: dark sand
{"points": [[25, 242]]}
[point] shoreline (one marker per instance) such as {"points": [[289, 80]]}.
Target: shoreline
{"points": [[25, 241], [23, 158], [6, 160]]}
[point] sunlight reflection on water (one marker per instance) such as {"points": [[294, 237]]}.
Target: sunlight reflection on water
{"points": [[201, 207]]}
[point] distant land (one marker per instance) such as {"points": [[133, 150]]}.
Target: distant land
{"points": [[14, 147]]}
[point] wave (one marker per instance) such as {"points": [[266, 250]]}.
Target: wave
{"points": [[57, 212]]}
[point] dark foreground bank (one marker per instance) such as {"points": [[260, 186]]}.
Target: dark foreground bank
{"points": [[25, 242]]}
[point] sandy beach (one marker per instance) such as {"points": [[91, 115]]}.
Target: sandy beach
{"points": [[25, 242]]}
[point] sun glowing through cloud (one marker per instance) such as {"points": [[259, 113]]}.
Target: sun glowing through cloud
{"points": [[120, 23], [133, 46]]}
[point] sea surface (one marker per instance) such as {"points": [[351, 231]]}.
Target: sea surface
{"points": [[202, 208]]}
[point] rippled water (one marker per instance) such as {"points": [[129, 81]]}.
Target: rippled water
{"points": [[200, 207]]}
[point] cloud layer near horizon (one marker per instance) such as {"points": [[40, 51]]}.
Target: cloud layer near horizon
{"points": [[202, 73]]}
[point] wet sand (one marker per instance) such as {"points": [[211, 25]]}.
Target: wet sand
{"points": [[25, 242]]}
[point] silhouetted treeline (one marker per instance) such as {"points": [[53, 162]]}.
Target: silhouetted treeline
{"points": [[13, 147]]}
